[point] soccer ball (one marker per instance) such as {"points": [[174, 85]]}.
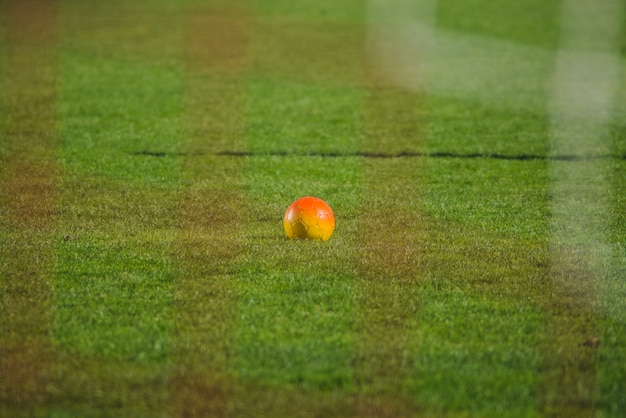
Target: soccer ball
{"points": [[309, 218]]}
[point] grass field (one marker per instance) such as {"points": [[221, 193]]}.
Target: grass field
{"points": [[474, 154]]}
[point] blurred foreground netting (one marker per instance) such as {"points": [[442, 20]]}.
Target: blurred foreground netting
{"points": [[582, 107]]}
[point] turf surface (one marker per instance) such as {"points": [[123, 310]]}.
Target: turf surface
{"points": [[148, 151]]}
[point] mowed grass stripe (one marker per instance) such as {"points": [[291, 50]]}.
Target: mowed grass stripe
{"points": [[29, 177], [210, 208], [116, 221], [391, 231], [309, 50], [484, 265], [138, 32], [116, 230], [391, 228]]}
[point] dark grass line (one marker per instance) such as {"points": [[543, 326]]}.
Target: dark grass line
{"points": [[382, 155]]}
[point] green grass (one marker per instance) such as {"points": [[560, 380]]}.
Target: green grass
{"points": [[531, 22], [116, 225], [143, 263]]}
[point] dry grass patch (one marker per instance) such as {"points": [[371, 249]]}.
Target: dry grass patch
{"points": [[210, 210], [138, 32], [28, 180], [324, 52], [392, 227]]}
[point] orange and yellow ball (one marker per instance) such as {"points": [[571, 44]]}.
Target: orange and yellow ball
{"points": [[309, 218]]}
